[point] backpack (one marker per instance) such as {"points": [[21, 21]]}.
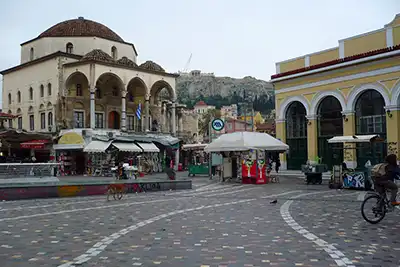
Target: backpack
{"points": [[379, 170]]}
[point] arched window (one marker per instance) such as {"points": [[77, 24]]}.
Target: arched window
{"points": [[69, 48], [9, 98], [49, 89], [41, 90], [32, 54], [114, 52], [10, 121], [19, 96], [50, 119], [30, 93]]}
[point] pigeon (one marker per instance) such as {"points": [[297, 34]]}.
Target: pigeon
{"points": [[274, 201]]}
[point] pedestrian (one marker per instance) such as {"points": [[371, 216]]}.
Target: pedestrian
{"points": [[168, 164]]}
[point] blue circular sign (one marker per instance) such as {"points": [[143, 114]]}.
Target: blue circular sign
{"points": [[217, 124]]}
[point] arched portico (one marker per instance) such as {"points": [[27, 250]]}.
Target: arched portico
{"points": [[296, 135], [370, 118], [320, 97], [329, 124], [283, 107], [356, 92], [135, 96], [108, 92], [77, 91], [162, 92]]}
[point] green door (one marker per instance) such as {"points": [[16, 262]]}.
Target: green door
{"points": [[297, 154], [330, 154]]}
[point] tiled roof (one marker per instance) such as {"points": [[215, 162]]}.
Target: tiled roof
{"points": [[151, 65], [98, 55], [81, 27], [337, 61], [201, 103], [127, 62]]}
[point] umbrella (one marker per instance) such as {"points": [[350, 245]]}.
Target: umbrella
{"points": [[243, 141]]}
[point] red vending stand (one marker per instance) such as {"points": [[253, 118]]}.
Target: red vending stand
{"points": [[253, 171]]}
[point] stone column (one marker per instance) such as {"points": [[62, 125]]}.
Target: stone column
{"points": [[147, 112], [92, 108], [162, 117], [312, 139], [173, 118], [280, 126], [349, 129], [123, 110]]}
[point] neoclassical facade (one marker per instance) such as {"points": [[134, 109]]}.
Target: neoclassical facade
{"points": [[352, 89], [80, 74]]}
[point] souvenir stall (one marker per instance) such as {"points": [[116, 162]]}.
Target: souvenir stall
{"points": [[100, 160], [348, 177], [244, 155], [126, 155], [146, 161], [197, 159]]}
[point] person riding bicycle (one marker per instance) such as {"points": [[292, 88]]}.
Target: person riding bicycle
{"points": [[385, 180]]}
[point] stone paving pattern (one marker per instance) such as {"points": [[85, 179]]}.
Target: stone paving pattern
{"points": [[54, 232]]}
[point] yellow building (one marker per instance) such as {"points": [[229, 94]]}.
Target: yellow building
{"points": [[257, 118], [352, 89]]}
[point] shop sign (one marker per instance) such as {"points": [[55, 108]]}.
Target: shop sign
{"points": [[34, 144], [217, 124]]}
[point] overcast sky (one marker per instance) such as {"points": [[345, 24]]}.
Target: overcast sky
{"points": [[233, 38]]}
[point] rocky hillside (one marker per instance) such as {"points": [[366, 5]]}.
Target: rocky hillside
{"points": [[194, 84], [218, 91]]}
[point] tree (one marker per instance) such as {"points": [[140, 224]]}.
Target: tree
{"points": [[205, 120]]}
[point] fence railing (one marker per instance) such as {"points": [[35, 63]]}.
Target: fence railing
{"points": [[27, 170]]}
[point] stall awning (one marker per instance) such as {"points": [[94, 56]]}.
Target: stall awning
{"points": [[148, 147], [67, 147], [193, 146], [35, 144], [127, 147], [97, 146], [352, 139]]}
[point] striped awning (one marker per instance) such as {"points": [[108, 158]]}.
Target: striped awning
{"points": [[127, 147], [148, 147], [97, 146]]}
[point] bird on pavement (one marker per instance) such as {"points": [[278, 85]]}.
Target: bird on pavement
{"points": [[274, 201]]}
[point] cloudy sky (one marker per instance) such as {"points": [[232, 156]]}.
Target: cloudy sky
{"points": [[228, 37]]}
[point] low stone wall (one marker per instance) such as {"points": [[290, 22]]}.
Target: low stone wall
{"points": [[26, 191]]}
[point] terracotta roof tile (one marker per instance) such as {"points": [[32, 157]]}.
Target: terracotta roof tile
{"points": [[81, 27]]}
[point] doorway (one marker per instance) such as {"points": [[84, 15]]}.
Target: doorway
{"points": [[114, 120]]}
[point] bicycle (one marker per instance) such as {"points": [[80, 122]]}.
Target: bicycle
{"points": [[382, 205], [117, 191]]}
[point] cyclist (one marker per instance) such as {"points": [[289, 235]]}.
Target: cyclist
{"points": [[386, 181]]}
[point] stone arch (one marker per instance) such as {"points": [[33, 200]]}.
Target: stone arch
{"points": [[356, 92], [157, 87], [19, 111], [41, 107], [395, 101], [136, 88], [289, 100], [49, 105], [30, 109], [109, 80], [72, 82], [319, 97]]}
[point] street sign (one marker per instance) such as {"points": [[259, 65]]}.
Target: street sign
{"points": [[217, 124]]}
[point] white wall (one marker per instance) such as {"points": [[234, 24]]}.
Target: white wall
{"points": [[32, 76], [82, 46]]}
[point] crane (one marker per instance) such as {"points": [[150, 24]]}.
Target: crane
{"points": [[186, 68]]}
